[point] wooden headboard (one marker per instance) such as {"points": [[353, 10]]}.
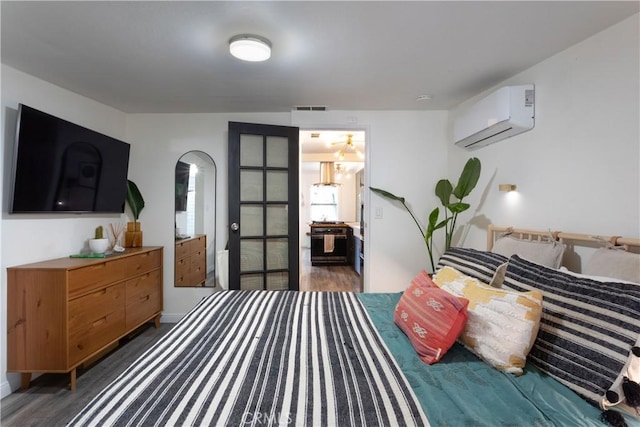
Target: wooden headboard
{"points": [[570, 239]]}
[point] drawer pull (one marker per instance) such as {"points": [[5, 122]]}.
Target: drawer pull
{"points": [[145, 298], [99, 321]]}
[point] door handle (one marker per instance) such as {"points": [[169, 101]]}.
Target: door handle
{"points": [[235, 226]]}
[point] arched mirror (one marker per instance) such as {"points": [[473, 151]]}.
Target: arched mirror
{"points": [[195, 210]]}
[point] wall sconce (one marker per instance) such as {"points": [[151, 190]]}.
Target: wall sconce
{"points": [[507, 187]]}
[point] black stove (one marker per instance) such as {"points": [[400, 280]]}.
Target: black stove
{"points": [[330, 241]]}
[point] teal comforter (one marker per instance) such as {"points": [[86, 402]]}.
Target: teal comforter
{"points": [[461, 390]]}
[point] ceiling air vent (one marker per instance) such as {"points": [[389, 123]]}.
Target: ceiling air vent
{"points": [[310, 108]]}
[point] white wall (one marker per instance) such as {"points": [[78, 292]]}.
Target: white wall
{"points": [[578, 169], [161, 139], [36, 237], [406, 154]]}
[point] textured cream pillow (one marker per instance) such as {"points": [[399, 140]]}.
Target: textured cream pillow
{"points": [[502, 324], [548, 254], [614, 263]]}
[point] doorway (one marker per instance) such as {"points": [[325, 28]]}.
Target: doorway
{"points": [[332, 171]]}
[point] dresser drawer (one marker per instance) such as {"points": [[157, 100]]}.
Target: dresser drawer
{"points": [[183, 266], [139, 287], [198, 257], [143, 298], [95, 320], [142, 263], [85, 279], [198, 244], [183, 248]]}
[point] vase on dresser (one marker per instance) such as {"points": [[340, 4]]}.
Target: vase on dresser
{"points": [[133, 235]]}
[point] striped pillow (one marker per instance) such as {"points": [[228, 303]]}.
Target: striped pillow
{"points": [[431, 318], [587, 327], [480, 265], [502, 324]]}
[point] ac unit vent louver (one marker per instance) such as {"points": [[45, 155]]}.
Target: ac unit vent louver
{"points": [[503, 114]]}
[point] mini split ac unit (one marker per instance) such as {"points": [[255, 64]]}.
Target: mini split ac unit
{"points": [[505, 113]]}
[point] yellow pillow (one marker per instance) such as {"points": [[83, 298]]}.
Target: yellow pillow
{"points": [[502, 324]]}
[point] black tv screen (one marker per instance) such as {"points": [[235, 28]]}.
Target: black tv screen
{"points": [[63, 167], [182, 185]]}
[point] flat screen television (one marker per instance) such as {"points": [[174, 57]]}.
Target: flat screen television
{"points": [[63, 167], [182, 185]]}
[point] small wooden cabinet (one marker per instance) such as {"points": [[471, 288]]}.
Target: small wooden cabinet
{"points": [[191, 261], [63, 312]]}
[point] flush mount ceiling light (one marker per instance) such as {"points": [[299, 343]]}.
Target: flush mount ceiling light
{"points": [[249, 47]]}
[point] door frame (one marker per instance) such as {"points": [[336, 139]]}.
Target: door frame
{"points": [[367, 178]]}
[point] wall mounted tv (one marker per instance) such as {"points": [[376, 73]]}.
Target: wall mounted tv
{"points": [[62, 167], [182, 185]]}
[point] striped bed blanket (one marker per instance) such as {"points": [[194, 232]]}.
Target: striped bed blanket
{"points": [[263, 358]]}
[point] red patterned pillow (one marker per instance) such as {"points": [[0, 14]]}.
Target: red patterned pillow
{"points": [[431, 318]]}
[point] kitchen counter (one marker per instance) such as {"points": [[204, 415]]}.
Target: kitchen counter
{"points": [[355, 226]]}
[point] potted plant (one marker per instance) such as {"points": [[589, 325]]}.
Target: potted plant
{"points": [[99, 244], [133, 235], [445, 192]]}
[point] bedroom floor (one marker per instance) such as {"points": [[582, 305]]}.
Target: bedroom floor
{"points": [[48, 402], [332, 278]]}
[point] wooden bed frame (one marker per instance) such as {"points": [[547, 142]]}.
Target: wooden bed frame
{"points": [[569, 239]]}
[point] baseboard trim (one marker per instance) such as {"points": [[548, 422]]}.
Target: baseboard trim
{"points": [[171, 318], [5, 389]]}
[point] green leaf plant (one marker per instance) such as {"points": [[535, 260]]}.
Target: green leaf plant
{"points": [[134, 200], [451, 199]]}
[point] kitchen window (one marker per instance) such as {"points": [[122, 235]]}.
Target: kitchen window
{"points": [[324, 202]]}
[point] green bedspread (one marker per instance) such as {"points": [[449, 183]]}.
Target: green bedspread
{"points": [[461, 390]]}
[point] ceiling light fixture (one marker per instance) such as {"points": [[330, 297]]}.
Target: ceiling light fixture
{"points": [[249, 47], [348, 146]]}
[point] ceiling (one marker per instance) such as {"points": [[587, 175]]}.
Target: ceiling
{"points": [[172, 56]]}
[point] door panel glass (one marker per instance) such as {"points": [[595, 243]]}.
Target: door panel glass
{"points": [[251, 255], [277, 281], [251, 220], [251, 150], [277, 152], [277, 186], [249, 282], [278, 254], [277, 220], [263, 210], [250, 186]]}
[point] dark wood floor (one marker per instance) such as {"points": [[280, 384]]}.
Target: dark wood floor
{"points": [[331, 278], [48, 402]]}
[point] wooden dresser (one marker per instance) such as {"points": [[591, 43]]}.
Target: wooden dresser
{"points": [[63, 312], [191, 261]]}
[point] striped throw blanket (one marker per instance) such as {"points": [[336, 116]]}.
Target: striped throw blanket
{"points": [[263, 358]]}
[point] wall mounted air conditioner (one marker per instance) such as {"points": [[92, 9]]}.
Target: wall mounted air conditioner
{"points": [[505, 113]]}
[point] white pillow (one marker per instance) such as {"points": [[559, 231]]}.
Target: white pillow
{"points": [[548, 254], [614, 263]]}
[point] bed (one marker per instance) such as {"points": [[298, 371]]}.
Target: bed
{"points": [[338, 359]]}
